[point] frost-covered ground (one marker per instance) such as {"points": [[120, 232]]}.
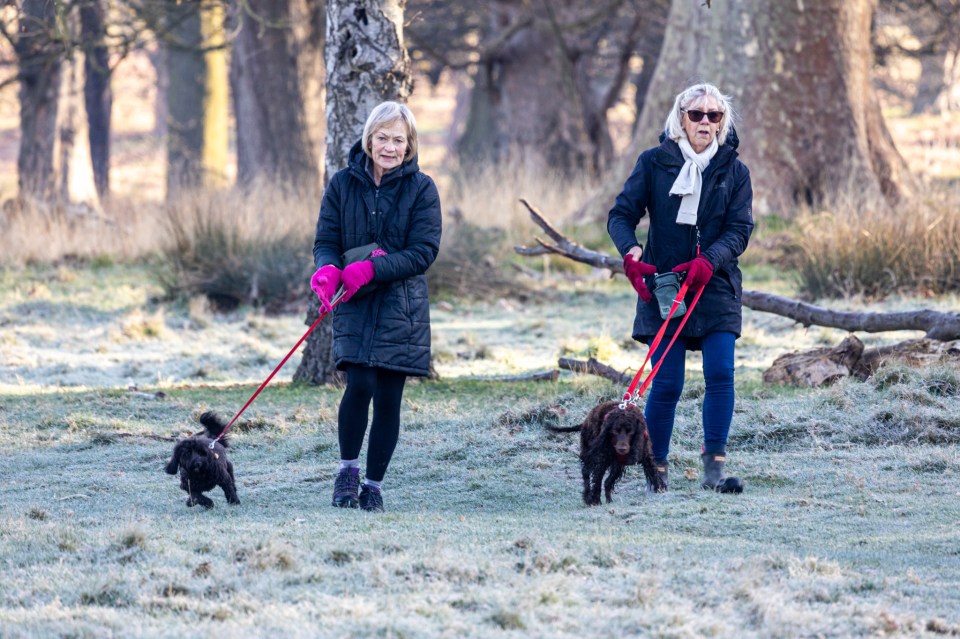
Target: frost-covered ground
{"points": [[848, 526]]}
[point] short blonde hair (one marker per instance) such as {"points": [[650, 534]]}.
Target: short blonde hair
{"points": [[385, 114], [673, 129]]}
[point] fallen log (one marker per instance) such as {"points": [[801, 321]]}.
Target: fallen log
{"points": [[544, 376], [825, 366], [936, 324], [594, 367], [818, 367]]}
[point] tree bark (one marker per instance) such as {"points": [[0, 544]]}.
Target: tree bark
{"points": [[367, 63], [309, 31], [98, 97], [40, 71], [786, 65], [825, 366], [72, 160], [272, 138], [537, 90], [53, 161], [197, 96]]}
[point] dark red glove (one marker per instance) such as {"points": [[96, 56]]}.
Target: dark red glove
{"points": [[325, 283], [699, 271], [635, 271], [355, 276]]}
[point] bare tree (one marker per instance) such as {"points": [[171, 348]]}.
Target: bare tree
{"points": [[98, 97], [197, 96], [367, 63], [927, 31], [53, 162], [309, 19], [272, 138], [543, 74]]}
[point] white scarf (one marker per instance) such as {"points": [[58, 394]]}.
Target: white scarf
{"points": [[690, 180]]}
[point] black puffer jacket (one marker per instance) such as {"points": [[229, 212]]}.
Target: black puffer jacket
{"points": [[725, 222], [389, 327]]}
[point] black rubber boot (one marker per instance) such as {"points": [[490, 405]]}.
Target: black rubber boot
{"points": [[713, 478], [661, 466]]}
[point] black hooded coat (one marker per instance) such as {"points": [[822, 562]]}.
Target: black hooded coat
{"points": [[724, 221], [390, 326]]}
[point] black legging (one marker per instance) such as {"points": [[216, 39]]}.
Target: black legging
{"points": [[385, 388]]}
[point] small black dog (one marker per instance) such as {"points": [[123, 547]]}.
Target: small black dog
{"points": [[202, 468], [612, 438]]}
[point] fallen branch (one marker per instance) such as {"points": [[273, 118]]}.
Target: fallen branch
{"points": [[937, 325], [545, 376], [594, 367], [564, 246]]}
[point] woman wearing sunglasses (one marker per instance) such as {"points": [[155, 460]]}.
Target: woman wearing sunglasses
{"points": [[698, 196]]}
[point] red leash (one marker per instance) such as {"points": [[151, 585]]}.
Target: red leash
{"points": [[629, 396], [336, 300]]}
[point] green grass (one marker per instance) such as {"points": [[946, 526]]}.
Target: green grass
{"points": [[847, 526]]}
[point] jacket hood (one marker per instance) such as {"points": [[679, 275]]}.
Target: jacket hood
{"points": [[358, 164]]}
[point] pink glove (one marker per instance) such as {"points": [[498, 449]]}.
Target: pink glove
{"points": [[699, 271], [635, 271], [355, 276], [325, 283]]}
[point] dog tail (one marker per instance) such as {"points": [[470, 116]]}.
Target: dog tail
{"points": [[566, 429], [214, 425]]}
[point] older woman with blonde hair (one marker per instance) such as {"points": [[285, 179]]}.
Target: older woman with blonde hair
{"points": [[383, 206], [698, 196]]}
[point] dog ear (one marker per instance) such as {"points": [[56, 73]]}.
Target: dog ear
{"points": [[174, 462], [599, 444], [638, 440]]}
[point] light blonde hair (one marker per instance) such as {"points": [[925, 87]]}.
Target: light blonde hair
{"points": [[673, 129], [385, 114]]}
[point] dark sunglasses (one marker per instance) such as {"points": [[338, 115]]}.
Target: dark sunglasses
{"points": [[696, 116]]}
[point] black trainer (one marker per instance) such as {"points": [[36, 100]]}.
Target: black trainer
{"points": [[371, 499], [345, 488]]}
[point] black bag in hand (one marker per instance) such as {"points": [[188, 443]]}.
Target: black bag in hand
{"points": [[358, 254]]}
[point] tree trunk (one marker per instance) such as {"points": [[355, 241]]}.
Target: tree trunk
{"points": [[309, 30], [73, 160], [40, 71], [534, 94], [54, 158], [272, 137], [367, 63], [98, 97], [787, 66], [197, 93]]}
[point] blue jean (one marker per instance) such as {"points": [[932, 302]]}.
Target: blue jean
{"points": [[667, 386]]}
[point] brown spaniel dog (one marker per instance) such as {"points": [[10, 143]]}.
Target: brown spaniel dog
{"points": [[612, 438]]}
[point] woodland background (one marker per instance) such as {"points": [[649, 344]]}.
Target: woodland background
{"points": [[161, 166]]}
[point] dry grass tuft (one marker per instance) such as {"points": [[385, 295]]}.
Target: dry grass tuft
{"points": [[237, 247], [914, 249]]}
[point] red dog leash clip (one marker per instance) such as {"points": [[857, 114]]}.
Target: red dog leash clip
{"points": [[632, 396]]}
